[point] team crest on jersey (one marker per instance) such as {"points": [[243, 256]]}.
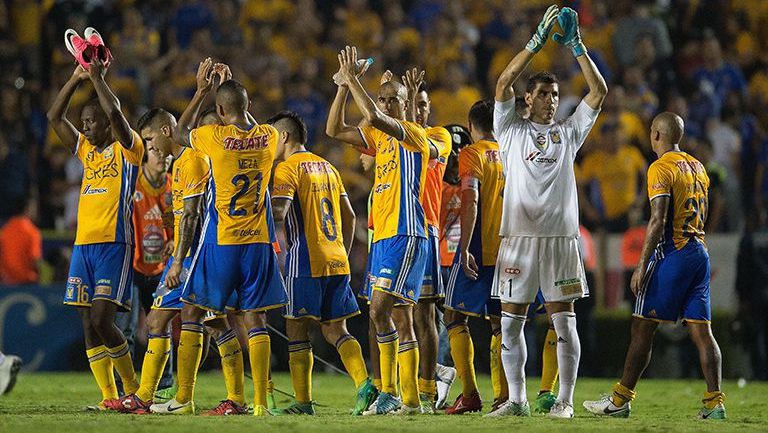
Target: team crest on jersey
{"points": [[541, 140], [108, 152], [138, 196], [555, 136]]}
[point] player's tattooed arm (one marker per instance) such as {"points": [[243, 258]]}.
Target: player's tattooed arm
{"points": [[469, 197], [188, 119], [57, 114], [348, 221], [659, 208], [121, 129], [188, 223]]}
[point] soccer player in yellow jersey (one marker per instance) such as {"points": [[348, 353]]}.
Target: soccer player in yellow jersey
{"points": [[671, 280], [310, 202], [235, 253], [400, 230], [469, 284], [101, 272]]}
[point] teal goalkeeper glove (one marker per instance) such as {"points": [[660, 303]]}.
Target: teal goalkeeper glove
{"points": [[542, 31], [571, 38]]}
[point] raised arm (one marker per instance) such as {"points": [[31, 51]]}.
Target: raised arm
{"points": [[57, 114], [659, 207], [188, 119], [190, 218], [348, 221], [511, 73], [121, 129], [336, 126], [412, 80]]}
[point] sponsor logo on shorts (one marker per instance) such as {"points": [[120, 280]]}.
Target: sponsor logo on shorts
{"points": [[103, 290], [535, 157], [386, 271], [384, 283], [512, 271], [652, 313], [461, 305], [411, 294], [303, 311], [569, 287]]}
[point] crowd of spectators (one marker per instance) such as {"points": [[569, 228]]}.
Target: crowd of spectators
{"points": [[703, 60]]}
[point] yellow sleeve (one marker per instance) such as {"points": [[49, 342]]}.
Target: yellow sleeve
{"points": [[342, 190], [442, 140], [370, 136], [414, 137], [660, 179], [285, 181], [201, 138], [135, 153], [470, 165], [83, 147], [196, 175]]}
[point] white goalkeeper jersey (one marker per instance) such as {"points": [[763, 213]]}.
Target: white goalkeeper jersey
{"points": [[540, 197]]}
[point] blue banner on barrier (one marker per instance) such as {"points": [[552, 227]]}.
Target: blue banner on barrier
{"points": [[35, 325]]}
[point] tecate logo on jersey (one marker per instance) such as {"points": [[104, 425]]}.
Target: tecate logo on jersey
{"points": [[534, 157], [89, 190]]}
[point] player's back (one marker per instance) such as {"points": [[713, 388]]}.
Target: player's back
{"points": [[684, 179], [313, 225], [433, 184], [238, 208], [481, 160], [191, 172]]}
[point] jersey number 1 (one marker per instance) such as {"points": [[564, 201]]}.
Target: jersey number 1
{"points": [[246, 183]]}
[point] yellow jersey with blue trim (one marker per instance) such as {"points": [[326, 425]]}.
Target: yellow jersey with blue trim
{"points": [[238, 210], [191, 172], [313, 224], [684, 180], [401, 169], [104, 212], [480, 162]]}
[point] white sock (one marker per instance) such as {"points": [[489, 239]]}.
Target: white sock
{"points": [[513, 355], [568, 353]]}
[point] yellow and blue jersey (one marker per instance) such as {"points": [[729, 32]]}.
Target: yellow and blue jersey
{"points": [[684, 179], [401, 169], [313, 224], [238, 207], [481, 161], [191, 172], [104, 212]]}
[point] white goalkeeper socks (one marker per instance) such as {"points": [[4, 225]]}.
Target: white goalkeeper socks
{"points": [[513, 355], [568, 353]]}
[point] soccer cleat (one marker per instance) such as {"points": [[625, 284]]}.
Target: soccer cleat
{"points": [[165, 394], [498, 402], [366, 395], [80, 49], [444, 379], [9, 370], [271, 404], [100, 50], [129, 404], [407, 410], [605, 407], [98, 407], [544, 402], [385, 403], [173, 407], [718, 412], [300, 409], [561, 409], [227, 407], [511, 408], [262, 411], [463, 404], [426, 404]]}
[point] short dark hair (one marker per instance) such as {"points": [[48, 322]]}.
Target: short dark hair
{"points": [[93, 102], [540, 77], [232, 95], [481, 115], [298, 128], [423, 87], [150, 116]]}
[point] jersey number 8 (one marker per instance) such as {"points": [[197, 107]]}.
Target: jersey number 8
{"points": [[327, 222]]}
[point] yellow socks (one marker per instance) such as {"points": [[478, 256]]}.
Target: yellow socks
{"points": [[190, 352], [498, 378], [549, 362], [408, 361], [463, 354], [158, 349], [259, 351], [388, 343], [621, 395], [121, 360], [352, 357], [712, 399], [377, 383], [428, 387], [300, 362], [232, 366], [101, 367]]}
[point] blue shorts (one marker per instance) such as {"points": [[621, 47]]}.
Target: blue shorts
{"points": [[368, 279], [676, 286], [471, 297], [250, 271], [398, 266], [327, 299], [432, 288], [166, 299], [100, 271]]}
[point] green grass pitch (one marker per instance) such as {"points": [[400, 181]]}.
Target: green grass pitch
{"points": [[52, 402]]}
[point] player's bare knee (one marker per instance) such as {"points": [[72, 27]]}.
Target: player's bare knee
{"points": [[255, 319], [297, 329], [452, 316], [157, 323], [333, 331], [516, 309], [190, 313]]}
